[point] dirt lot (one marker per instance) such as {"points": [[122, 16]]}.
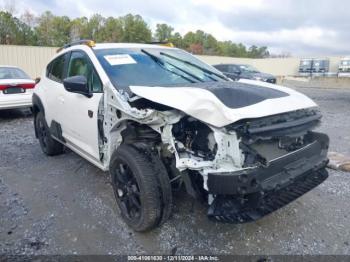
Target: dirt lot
{"points": [[64, 205]]}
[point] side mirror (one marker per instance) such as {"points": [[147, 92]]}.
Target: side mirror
{"points": [[37, 80], [77, 84]]}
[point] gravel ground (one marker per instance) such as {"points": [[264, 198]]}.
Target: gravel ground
{"points": [[64, 205]]}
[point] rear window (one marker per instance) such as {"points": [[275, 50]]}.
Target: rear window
{"points": [[222, 68], [12, 73]]}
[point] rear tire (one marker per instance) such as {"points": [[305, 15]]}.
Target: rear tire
{"points": [[48, 145], [137, 188]]}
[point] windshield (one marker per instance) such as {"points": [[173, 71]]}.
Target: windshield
{"points": [[306, 62], [319, 63], [345, 62], [248, 68], [12, 73], [154, 67]]}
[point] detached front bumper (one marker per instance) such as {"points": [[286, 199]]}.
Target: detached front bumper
{"points": [[250, 194]]}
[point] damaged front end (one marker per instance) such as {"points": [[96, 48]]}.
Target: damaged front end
{"points": [[283, 160], [245, 170], [252, 167]]}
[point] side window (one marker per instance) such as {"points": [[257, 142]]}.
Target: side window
{"points": [[80, 65], [56, 68], [48, 69]]}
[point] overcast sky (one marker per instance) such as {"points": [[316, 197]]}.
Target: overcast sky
{"points": [[300, 27]]}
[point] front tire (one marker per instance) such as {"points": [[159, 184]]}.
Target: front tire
{"points": [[48, 145], [138, 190]]}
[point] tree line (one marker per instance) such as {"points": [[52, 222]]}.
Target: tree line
{"points": [[48, 29]]}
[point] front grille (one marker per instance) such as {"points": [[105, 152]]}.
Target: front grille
{"points": [[231, 209]]}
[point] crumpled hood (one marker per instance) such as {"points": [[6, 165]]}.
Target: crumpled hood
{"points": [[223, 103]]}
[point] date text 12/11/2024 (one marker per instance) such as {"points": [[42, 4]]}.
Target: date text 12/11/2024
{"points": [[173, 258]]}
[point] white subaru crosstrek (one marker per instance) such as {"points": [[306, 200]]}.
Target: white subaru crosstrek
{"points": [[158, 118], [16, 88]]}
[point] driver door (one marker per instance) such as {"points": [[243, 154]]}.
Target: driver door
{"points": [[80, 120]]}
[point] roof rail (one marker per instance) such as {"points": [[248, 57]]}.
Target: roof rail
{"points": [[163, 43], [87, 42]]}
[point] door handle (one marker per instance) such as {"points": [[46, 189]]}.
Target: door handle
{"points": [[90, 113]]}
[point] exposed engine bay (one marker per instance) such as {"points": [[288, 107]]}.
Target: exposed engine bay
{"points": [[194, 138]]}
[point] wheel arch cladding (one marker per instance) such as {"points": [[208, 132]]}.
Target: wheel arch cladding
{"points": [[37, 107]]}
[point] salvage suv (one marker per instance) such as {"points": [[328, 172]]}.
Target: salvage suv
{"points": [[157, 119]]}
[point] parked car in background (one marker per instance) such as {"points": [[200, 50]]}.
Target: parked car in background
{"points": [[320, 67], [314, 67], [344, 67], [305, 67], [241, 71], [16, 88]]}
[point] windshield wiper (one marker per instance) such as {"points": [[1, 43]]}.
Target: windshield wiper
{"points": [[161, 62], [196, 66]]}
